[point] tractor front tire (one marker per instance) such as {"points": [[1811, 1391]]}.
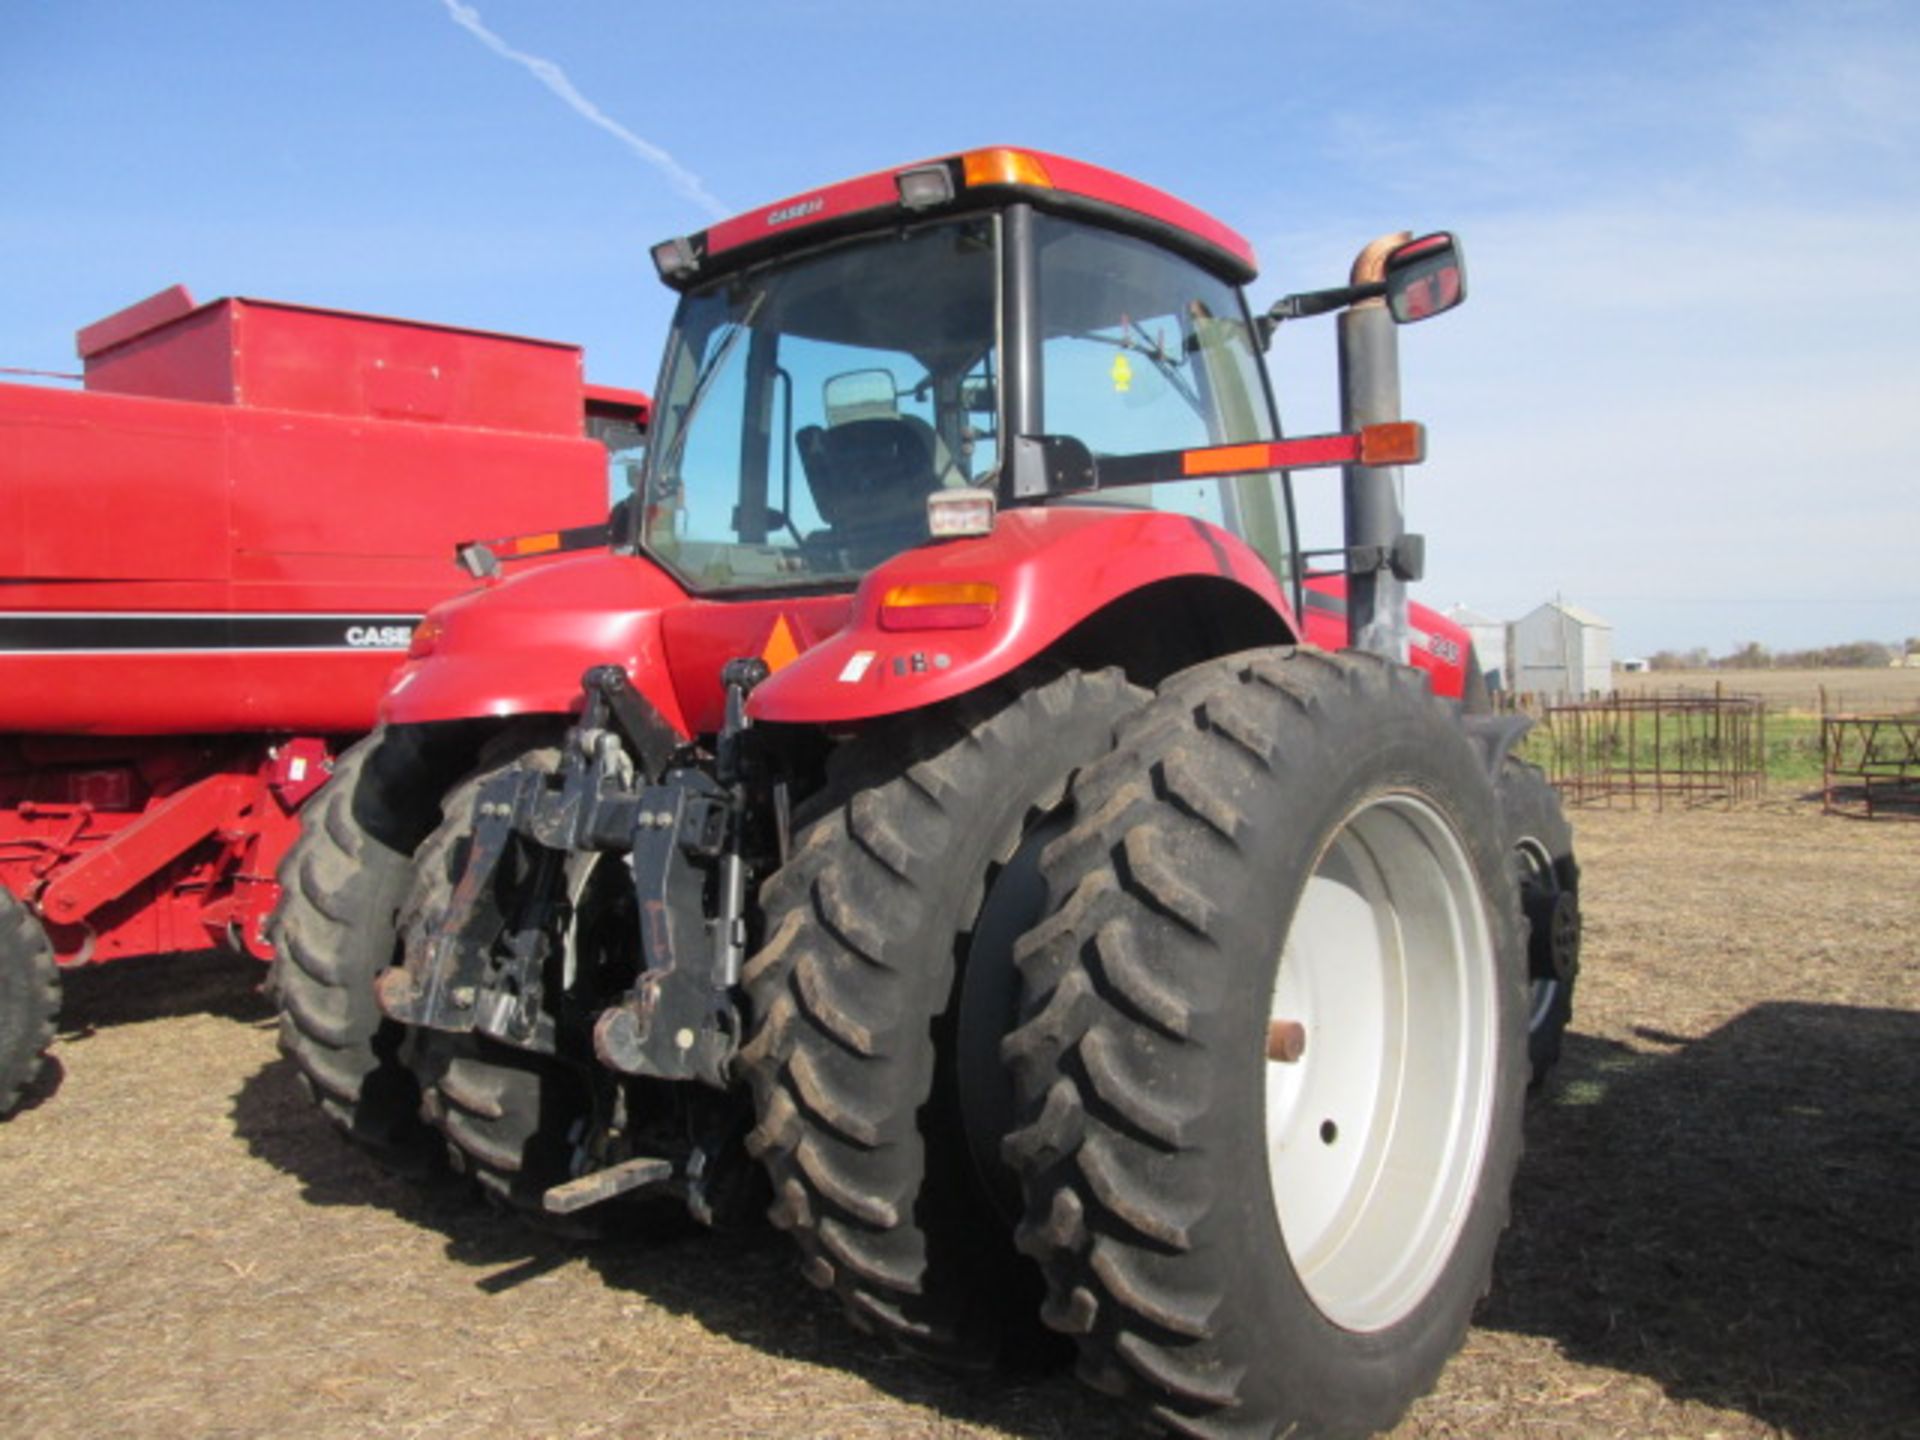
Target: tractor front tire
{"points": [[29, 999], [1272, 1055], [854, 1000], [1541, 843], [342, 885]]}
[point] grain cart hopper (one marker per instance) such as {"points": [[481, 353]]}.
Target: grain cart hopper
{"points": [[951, 797], [211, 558]]}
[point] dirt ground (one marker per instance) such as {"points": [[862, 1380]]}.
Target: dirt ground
{"points": [[1716, 1232]]}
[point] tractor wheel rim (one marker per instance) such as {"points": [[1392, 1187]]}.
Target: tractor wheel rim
{"points": [[1542, 996], [1376, 1135], [1539, 894]]}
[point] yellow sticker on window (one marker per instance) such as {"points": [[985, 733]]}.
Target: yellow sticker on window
{"points": [[1122, 374]]}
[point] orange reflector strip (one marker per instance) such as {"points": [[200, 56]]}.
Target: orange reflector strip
{"points": [[1004, 167], [1226, 459], [536, 544], [780, 650], [1404, 442]]}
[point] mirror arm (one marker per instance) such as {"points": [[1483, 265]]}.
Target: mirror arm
{"points": [[1313, 302]]}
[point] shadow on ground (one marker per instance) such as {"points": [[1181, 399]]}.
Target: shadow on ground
{"points": [[743, 1284], [145, 988], [159, 987], [1736, 1217]]}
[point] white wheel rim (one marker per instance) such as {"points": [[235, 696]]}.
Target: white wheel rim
{"points": [[1376, 1135], [1542, 994]]}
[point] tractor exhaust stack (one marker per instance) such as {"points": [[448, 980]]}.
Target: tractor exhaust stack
{"points": [[1371, 499]]}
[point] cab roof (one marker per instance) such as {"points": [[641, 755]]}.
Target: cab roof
{"points": [[951, 183]]}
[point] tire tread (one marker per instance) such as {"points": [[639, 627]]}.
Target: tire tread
{"points": [[1119, 976], [845, 993], [30, 989], [341, 884]]}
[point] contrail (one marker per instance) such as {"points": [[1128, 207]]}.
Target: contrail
{"points": [[555, 79]]}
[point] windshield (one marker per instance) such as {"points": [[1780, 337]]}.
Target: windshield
{"points": [[1144, 351], [806, 411]]}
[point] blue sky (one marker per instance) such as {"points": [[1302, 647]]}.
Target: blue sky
{"points": [[1681, 394]]}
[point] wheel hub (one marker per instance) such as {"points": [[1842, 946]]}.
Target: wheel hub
{"points": [[1376, 1130]]}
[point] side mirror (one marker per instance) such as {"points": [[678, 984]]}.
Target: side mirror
{"points": [[1425, 277], [861, 395]]}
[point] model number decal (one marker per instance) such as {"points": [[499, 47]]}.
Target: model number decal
{"points": [[1443, 649]]}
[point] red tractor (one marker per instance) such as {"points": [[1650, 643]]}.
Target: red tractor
{"points": [[211, 559], [951, 806]]}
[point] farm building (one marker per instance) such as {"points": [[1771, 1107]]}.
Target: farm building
{"points": [[1489, 637], [1560, 650]]}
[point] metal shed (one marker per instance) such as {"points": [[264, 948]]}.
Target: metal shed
{"points": [[1562, 651], [1489, 638]]}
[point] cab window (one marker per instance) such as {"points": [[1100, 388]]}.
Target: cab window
{"points": [[1143, 351]]}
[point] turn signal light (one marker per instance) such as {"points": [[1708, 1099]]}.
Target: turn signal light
{"points": [[939, 605], [1000, 166], [1404, 442], [425, 636]]}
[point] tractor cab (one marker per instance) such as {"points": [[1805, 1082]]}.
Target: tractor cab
{"points": [[918, 428], [846, 362]]}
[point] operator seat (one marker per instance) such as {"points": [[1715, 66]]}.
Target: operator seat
{"points": [[870, 481]]}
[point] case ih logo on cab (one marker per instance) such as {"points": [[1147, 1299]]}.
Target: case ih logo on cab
{"points": [[797, 211]]}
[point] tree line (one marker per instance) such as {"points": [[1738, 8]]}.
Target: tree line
{"points": [[1854, 655]]}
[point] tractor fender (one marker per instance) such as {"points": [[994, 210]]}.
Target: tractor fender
{"points": [[518, 646], [1045, 570]]}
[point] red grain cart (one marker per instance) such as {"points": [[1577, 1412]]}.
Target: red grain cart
{"points": [[211, 558]]}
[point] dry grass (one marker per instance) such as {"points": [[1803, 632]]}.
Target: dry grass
{"points": [[1716, 1227]]}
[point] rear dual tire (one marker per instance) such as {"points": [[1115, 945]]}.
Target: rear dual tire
{"points": [[1247, 1246], [856, 999], [1540, 842]]}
